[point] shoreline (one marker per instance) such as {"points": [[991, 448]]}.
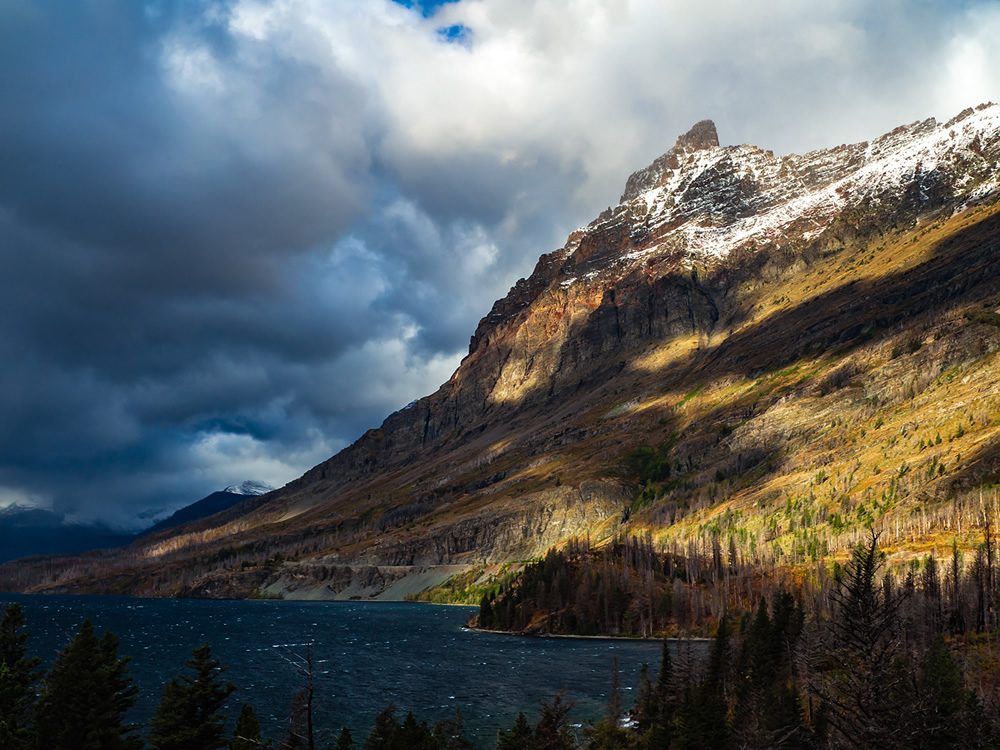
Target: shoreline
{"points": [[651, 639]]}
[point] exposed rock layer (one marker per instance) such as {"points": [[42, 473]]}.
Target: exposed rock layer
{"points": [[712, 312]]}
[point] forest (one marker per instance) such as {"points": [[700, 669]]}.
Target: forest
{"points": [[882, 664]]}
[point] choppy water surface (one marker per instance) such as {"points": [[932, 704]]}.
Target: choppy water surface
{"points": [[364, 655]]}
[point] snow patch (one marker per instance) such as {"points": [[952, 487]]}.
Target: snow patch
{"points": [[250, 488]]}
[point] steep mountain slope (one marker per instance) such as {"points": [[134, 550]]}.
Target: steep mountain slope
{"points": [[212, 504], [803, 344]]}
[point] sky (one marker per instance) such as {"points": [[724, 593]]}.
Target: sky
{"points": [[235, 234]]}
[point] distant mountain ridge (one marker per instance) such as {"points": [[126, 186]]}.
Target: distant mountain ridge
{"points": [[773, 351], [214, 503], [37, 531]]}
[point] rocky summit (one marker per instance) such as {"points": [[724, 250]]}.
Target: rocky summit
{"points": [[777, 351]]}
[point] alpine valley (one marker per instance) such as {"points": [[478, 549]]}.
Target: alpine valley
{"points": [[751, 356]]}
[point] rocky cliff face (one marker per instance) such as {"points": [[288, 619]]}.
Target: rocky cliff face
{"points": [[737, 310], [668, 260]]}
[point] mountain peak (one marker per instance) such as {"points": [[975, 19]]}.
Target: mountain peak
{"points": [[701, 136], [250, 488]]}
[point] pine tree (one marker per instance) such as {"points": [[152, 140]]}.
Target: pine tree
{"points": [[449, 734], [344, 741], [665, 701], [18, 675], [866, 683], [947, 714], [518, 738], [188, 717], [385, 730], [246, 736], [552, 732], [86, 696]]}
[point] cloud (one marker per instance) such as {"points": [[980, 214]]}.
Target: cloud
{"points": [[234, 234]]}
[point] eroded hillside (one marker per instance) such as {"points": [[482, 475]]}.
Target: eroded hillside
{"points": [[776, 351]]}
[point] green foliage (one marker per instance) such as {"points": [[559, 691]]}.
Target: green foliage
{"points": [[18, 675], [552, 732], [646, 464], [986, 317], [518, 737], [391, 734], [246, 735], [464, 588], [86, 696], [606, 735], [188, 717]]}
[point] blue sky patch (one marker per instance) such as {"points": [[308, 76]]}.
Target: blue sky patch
{"points": [[427, 8], [457, 33]]}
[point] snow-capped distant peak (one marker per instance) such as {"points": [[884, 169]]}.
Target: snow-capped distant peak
{"points": [[250, 488]]}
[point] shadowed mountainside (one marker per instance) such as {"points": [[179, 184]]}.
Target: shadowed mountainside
{"points": [[806, 344]]}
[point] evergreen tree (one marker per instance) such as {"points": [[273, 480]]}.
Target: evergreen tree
{"points": [[18, 675], [552, 732], [607, 736], [661, 726], [246, 736], [413, 735], [768, 710], [948, 715], [645, 701], [86, 696], [518, 738], [449, 734], [384, 732], [865, 679], [188, 717], [344, 741], [486, 611]]}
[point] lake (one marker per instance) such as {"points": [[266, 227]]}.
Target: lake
{"points": [[417, 656]]}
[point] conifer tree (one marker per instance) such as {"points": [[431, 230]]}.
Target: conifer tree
{"points": [[246, 736], [449, 734], [518, 738], [188, 717], [86, 696], [948, 715], [384, 731], [344, 741], [665, 701], [552, 732], [865, 684], [18, 675]]}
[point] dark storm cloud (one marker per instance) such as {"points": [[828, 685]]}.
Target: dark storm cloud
{"points": [[235, 234], [151, 251]]}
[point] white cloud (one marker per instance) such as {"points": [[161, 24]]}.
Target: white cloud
{"points": [[971, 66], [221, 459], [303, 207], [24, 499]]}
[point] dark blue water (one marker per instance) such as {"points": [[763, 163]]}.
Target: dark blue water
{"points": [[417, 656]]}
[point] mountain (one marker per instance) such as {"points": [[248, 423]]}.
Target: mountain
{"points": [[37, 531], [770, 352], [214, 503]]}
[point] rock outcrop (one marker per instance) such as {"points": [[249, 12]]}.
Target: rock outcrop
{"points": [[734, 310]]}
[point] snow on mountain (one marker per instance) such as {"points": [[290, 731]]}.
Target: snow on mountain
{"points": [[250, 488], [704, 201]]}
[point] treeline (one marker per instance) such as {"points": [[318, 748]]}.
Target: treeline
{"points": [[629, 587], [869, 672], [780, 677], [626, 587], [864, 661]]}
